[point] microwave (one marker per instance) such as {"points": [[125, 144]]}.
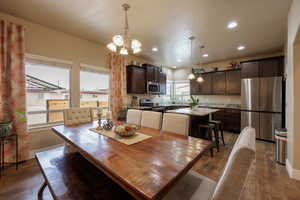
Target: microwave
{"points": [[152, 88]]}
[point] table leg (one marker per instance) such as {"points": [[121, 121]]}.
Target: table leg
{"points": [[2, 154], [41, 190], [0, 158], [17, 152]]}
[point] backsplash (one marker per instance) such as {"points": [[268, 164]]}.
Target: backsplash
{"points": [[214, 99], [219, 99]]}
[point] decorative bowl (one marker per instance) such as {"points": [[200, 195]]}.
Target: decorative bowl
{"points": [[126, 130]]}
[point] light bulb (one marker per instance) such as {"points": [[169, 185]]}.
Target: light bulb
{"points": [[135, 44], [191, 76], [111, 46], [118, 40], [241, 47], [137, 50], [123, 51], [200, 79], [232, 24]]}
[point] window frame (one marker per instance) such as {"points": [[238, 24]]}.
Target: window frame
{"points": [[51, 62], [74, 87], [174, 89], [95, 69]]}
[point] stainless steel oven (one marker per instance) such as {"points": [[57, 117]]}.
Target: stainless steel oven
{"points": [[152, 88]]}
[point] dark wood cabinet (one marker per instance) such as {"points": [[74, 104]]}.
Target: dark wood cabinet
{"points": [[136, 79], [271, 67], [233, 82], [268, 67], [205, 88], [152, 73], [250, 69], [163, 83], [194, 87], [218, 83], [231, 119]]}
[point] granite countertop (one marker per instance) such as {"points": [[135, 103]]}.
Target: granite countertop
{"points": [[220, 106], [170, 104], [194, 112]]}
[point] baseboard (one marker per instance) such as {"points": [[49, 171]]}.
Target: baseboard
{"points": [[293, 173], [34, 151]]}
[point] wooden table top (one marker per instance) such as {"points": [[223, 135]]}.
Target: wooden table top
{"points": [[146, 169], [195, 112]]}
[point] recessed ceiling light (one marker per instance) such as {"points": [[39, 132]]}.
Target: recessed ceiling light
{"points": [[241, 47], [179, 60], [154, 49], [174, 67], [205, 55], [232, 24]]}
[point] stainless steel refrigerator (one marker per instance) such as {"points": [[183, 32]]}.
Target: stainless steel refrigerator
{"points": [[262, 105]]}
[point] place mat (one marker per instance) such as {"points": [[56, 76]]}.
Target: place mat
{"points": [[138, 137]]}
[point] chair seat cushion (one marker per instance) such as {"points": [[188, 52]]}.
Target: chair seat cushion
{"points": [[192, 186]]}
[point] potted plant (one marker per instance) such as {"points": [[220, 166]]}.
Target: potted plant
{"points": [[6, 124], [193, 102]]}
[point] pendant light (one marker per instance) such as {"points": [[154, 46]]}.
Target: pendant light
{"points": [[121, 43], [200, 78], [191, 76]]}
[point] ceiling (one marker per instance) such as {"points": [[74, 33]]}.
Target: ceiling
{"points": [[167, 24]]}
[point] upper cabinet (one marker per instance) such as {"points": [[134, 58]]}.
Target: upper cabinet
{"points": [[163, 83], [271, 67], [250, 70], [218, 83], [136, 79], [268, 67], [194, 87], [153, 73], [205, 87], [233, 82]]}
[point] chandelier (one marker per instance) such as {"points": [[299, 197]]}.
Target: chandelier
{"points": [[192, 76], [121, 43]]}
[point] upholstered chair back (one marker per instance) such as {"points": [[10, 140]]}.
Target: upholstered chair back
{"points": [[176, 123], [236, 170], [151, 119], [134, 117], [76, 116]]}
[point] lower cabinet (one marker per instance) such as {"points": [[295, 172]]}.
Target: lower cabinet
{"points": [[231, 119]]}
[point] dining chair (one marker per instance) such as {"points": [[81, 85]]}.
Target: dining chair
{"points": [[176, 123], [76, 116], [151, 119], [134, 117], [194, 186]]}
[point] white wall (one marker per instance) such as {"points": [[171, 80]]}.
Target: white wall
{"points": [[292, 92]]}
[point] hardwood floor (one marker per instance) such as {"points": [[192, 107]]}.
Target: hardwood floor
{"points": [[267, 180]]}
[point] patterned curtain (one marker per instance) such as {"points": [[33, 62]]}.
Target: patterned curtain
{"points": [[12, 86], [117, 83]]}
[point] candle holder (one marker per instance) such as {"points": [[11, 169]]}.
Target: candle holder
{"points": [[99, 115], [108, 124]]}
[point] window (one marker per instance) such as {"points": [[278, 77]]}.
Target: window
{"points": [[182, 91], [47, 87], [94, 89], [169, 92]]}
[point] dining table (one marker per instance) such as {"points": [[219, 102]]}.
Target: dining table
{"points": [[147, 169]]}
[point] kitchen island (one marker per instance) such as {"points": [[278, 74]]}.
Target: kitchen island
{"points": [[197, 116]]}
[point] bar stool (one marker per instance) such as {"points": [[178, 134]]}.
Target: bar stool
{"points": [[211, 134], [220, 128]]}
